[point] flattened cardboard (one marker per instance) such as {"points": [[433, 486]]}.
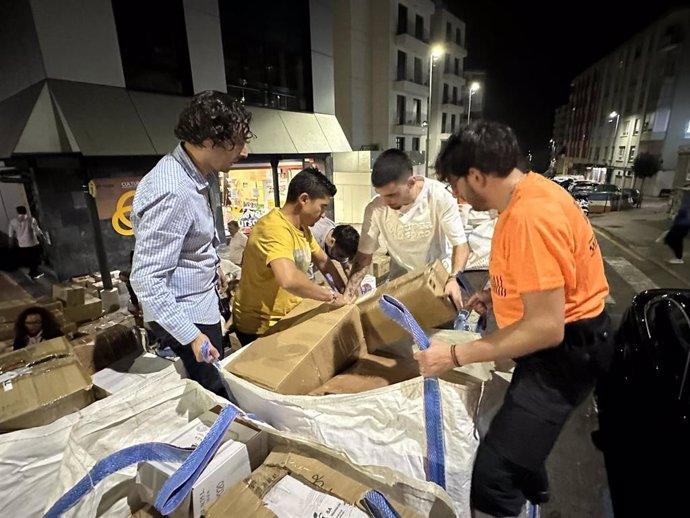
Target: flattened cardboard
{"points": [[245, 498], [421, 292], [369, 373], [302, 358], [70, 295], [43, 393]]}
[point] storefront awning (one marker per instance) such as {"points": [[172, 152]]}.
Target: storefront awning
{"points": [[57, 116]]}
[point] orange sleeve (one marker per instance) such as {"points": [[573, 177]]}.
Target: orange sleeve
{"points": [[539, 250]]}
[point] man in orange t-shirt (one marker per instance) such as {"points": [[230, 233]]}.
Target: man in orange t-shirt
{"points": [[548, 290]]}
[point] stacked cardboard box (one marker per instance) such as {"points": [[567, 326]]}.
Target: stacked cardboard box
{"points": [[41, 383]]}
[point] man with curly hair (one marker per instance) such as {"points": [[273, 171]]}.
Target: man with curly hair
{"points": [[176, 270]]}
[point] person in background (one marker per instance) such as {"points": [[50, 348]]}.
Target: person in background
{"points": [[35, 325], [25, 228], [415, 219], [678, 232], [238, 242], [277, 258], [340, 242], [176, 270]]}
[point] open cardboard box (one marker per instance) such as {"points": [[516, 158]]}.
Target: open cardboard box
{"points": [[305, 480], [320, 350], [40, 384]]}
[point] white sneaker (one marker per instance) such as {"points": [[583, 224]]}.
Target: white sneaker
{"points": [[675, 261]]}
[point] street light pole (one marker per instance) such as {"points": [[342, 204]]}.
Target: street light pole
{"points": [[436, 52], [473, 88], [615, 131]]}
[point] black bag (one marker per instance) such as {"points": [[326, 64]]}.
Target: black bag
{"points": [[644, 408]]}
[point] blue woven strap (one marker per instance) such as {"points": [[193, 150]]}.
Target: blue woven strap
{"points": [[378, 506], [176, 488], [433, 413]]}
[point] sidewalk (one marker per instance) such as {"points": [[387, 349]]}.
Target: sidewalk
{"points": [[638, 230]]}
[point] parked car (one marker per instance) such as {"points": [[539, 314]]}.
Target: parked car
{"points": [[605, 196], [644, 407], [582, 187]]}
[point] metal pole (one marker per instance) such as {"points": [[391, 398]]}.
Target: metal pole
{"points": [[428, 116], [469, 107], [90, 196], [276, 180]]}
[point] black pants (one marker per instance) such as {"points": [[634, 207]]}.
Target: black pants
{"points": [[674, 239], [31, 257], [203, 373], [244, 338], [546, 387]]}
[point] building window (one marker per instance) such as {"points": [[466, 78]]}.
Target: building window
{"points": [[400, 143], [687, 131], [457, 67], [449, 32], [452, 123], [444, 120], [458, 37], [455, 95], [402, 19], [402, 66], [631, 154], [153, 46], [400, 113], [417, 111], [415, 143], [626, 128], [648, 122], [445, 93], [269, 68], [446, 64], [636, 129], [606, 153], [418, 71], [621, 153], [419, 28], [596, 153]]}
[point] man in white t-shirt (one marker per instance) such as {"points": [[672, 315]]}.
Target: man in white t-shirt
{"points": [[416, 219], [238, 242]]}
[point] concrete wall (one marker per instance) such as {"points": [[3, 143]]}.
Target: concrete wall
{"points": [[322, 67], [78, 41], [21, 64], [205, 41]]}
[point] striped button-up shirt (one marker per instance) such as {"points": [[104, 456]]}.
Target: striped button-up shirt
{"points": [[175, 256]]}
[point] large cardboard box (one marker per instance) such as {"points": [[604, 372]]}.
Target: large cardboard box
{"points": [[369, 373], [298, 484], [231, 463], [421, 291], [304, 311], [381, 266], [90, 310], [70, 295], [303, 357], [40, 384]]}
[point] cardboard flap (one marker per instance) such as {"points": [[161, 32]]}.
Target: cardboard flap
{"points": [[304, 356], [33, 354]]}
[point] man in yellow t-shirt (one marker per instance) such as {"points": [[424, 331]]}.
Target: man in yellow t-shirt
{"points": [[277, 258], [548, 290]]}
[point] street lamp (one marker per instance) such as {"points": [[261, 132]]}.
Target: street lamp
{"points": [[436, 52], [617, 116], [473, 89]]}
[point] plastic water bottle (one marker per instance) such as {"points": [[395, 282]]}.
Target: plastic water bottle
{"points": [[461, 323]]}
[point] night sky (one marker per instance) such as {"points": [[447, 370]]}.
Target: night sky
{"points": [[530, 63]]}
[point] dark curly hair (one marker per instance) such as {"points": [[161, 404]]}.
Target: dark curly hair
{"points": [[346, 239], [50, 326], [216, 116]]}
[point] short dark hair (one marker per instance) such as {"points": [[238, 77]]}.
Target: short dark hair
{"points": [[346, 239], [311, 181], [21, 210], [216, 116], [491, 147], [393, 165], [234, 224]]}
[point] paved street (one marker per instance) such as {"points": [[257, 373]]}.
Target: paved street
{"points": [[634, 262]]}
